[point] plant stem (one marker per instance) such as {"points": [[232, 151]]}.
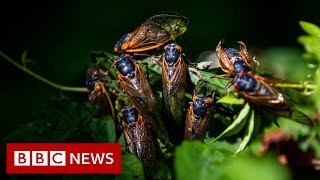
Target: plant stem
{"points": [[44, 80], [298, 86]]}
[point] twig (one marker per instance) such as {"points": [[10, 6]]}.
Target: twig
{"points": [[44, 80], [297, 86]]}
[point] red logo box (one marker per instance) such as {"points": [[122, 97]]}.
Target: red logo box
{"points": [[63, 158]]}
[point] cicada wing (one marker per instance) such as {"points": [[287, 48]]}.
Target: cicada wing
{"points": [[138, 90], [271, 80], [197, 128], [244, 53], [98, 98], [201, 127], [155, 32], [277, 102], [141, 95], [189, 124], [173, 23], [147, 37], [144, 145], [223, 59], [148, 94], [174, 85], [129, 140]]}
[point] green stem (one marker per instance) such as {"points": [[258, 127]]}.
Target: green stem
{"points": [[297, 86], [46, 81]]}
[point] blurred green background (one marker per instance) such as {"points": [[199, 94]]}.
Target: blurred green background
{"points": [[60, 34]]}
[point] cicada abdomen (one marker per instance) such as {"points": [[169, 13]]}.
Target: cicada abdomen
{"points": [[173, 82], [137, 88], [98, 96], [198, 118], [138, 139]]}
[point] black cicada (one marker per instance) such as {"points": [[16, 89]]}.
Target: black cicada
{"points": [[198, 117], [137, 138], [98, 95], [135, 84], [173, 82], [258, 90]]}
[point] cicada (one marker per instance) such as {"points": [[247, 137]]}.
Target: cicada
{"points": [[135, 84], [259, 90], [173, 82], [137, 138], [233, 61], [198, 117], [154, 32], [98, 95]]}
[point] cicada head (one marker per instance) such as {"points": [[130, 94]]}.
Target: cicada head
{"points": [[130, 115], [172, 53], [125, 66], [200, 105], [94, 76], [124, 39]]}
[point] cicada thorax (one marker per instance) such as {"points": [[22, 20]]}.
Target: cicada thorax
{"points": [[138, 138], [198, 118], [233, 61], [174, 82], [257, 91], [135, 84], [154, 32]]}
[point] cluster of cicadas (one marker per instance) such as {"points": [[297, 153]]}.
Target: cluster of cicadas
{"points": [[142, 120]]}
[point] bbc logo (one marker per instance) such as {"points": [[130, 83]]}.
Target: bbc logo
{"points": [[63, 158], [39, 158]]}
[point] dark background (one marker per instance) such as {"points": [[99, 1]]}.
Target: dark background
{"points": [[59, 36]]}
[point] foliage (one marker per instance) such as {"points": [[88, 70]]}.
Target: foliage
{"points": [[232, 142]]}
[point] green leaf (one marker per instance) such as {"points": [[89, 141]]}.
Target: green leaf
{"points": [[247, 167], [248, 134], [123, 143], [103, 129], [230, 98], [257, 124], [154, 64], [311, 45], [213, 84], [227, 147], [195, 160], [131, 168], [59, 121], [163, 171], [237, 124], [310, 28], [204, 65]]}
